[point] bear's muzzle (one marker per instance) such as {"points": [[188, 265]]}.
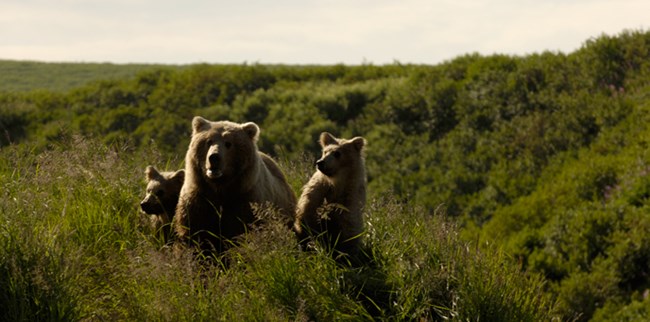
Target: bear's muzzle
{"points": [[150, 206], [322, 167], [213, 166]]}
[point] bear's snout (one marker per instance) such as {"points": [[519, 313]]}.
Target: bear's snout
{"points": [[150, 207], [214, 160], [321, 165], [144, 206], [213, 168]]}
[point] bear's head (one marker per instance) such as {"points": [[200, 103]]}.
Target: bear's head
{"points": [[339, 154], [223, 150], [163, 190]]}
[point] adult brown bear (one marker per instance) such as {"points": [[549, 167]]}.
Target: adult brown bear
{"points": [[224, 175]]}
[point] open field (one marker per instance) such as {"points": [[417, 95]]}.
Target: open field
{"points": [[23, 76]]}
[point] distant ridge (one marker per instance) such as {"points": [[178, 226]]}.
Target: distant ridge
{"points": [[24, 75]]}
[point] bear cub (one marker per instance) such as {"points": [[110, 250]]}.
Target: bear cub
{"points": [[330, 207], [163, 189]]}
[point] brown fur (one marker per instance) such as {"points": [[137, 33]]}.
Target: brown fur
{"points": [[225, 174], [332, 202], [163, 189]]}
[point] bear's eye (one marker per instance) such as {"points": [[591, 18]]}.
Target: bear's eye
{"points": [[228, 145], [208, 142], [159, 193], [337, 154]]}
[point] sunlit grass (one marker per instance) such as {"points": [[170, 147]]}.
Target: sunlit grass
{"points": [[73, 246]]}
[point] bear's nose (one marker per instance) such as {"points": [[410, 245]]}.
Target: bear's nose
{"points": [[214, 159], [320, 164]]}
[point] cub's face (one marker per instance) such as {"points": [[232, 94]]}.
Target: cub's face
{"points": [[338, 154], [152, 202], [162, 191], [223, 149]]}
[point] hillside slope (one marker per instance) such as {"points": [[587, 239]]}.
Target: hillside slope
{"points": [[24, 76], [543, 156]]}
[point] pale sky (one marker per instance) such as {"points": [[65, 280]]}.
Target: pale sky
{"points": [[304, 31]]}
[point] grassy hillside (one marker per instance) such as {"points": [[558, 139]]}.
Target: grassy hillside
{"points": [[23, 76], [501, 188], [74, 247]]}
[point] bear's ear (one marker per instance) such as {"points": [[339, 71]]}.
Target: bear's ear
{"points": [[179, 176], [200, 124], [151, 172], [358, 143], [326, 139], [252, 130]]}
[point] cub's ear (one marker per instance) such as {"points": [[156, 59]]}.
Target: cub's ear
{"points": [[151, 172], [200, 124], [326, 139], [179, 176], [252, 130], [358, 143]]}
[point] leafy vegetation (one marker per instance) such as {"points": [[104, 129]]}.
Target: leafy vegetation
{"points": [[501, 188]]}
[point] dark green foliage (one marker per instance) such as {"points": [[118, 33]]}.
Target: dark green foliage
{"points": [[544, 156]]}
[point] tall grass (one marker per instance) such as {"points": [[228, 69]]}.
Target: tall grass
{"points": [[73, 246]]}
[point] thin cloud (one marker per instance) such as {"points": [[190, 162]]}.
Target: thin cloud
{"points": [[303, 32]]}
